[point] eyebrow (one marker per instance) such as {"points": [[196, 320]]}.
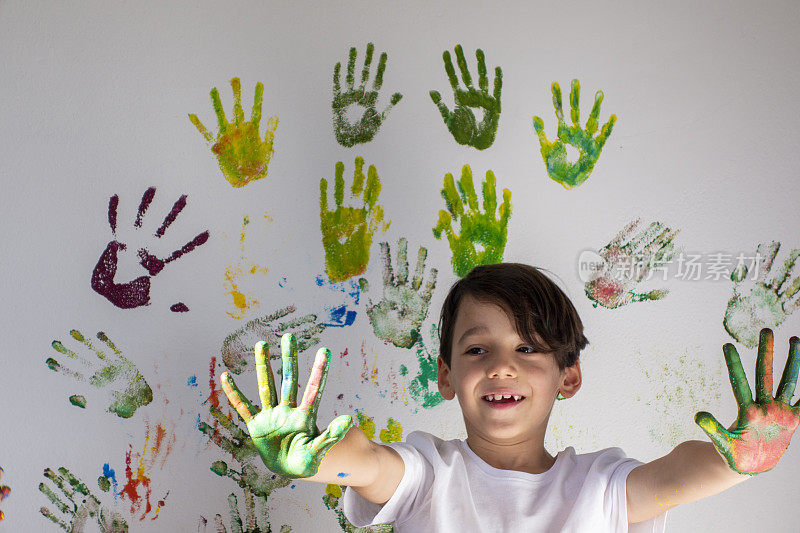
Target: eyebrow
{"points": [[474, 330]]}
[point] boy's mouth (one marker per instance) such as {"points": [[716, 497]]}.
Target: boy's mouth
{"points": [[498, 399]]}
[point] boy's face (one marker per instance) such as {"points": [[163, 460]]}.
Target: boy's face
{"points": [[490, 360]]}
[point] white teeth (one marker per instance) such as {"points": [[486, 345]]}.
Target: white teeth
{"points": [[498, 397], [506, 396], [516, 398]]}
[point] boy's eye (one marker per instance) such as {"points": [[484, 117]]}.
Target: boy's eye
{"points": [[526, 349], [475, 350]]}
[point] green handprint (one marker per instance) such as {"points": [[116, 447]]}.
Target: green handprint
{"points": [[399, 315], [117, 374], [422, 387], [79, 505], [462, 123], [252, 522], [477, 228], [572, 174], [364, 130], [285, 434], [764, 428], [760, 302], [347, 231], [242, 155]]}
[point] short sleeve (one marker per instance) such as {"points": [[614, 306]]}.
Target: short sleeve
{"points": [[617, 499]]}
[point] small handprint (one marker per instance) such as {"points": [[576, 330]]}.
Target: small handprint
{"points": [[136, 293], [138, 487], [347, 133], [237, 348], [765, 299], [423, 387], [559, 168], [461, 122], [78, 505], [241, 302], [764, 427], [242, 155], [253, 523], [626, 260], [398, 317], [5, 490], [347, 231], [113, 373], [478, 228]]}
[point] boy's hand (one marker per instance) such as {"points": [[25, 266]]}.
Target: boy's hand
{"points": [[285, 434], [763, 428]]}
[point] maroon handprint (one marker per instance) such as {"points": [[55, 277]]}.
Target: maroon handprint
{"points": [[136, 293]]}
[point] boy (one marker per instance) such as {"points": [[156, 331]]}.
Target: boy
{"points": [[510, 344]]}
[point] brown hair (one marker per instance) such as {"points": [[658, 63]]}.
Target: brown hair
{"points": [[542, 314]]}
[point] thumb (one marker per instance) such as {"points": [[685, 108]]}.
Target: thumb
{"points": [[720, 436], [335, 432]]}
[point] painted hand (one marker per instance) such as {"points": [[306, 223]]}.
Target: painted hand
{"points": [[253, 523], [80, 507], [627, 260], [242, 155], [347, 231], [5, 490], [478, 228], [399, 315], [114, 374], [763, 428], [461, 122], [364, 130], [763, 301], [572, 174], [285, 434], [136, 293]]}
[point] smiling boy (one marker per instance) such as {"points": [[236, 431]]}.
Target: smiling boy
{"points": [[510, 344]]}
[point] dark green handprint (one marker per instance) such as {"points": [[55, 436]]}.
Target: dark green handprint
{"points": [[253, 523], [478, 228], [572, 174], [347, 133], [462, 123], [423, 387], [78, 504]]}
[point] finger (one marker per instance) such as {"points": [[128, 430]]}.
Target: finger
{"points": [[788, 381], [289, 380], [337, 88], [419, 271], [49, 514], [358, 178], [235, 397], [338, 186], [396, 97], [388, 275], [467, 187], [113, 204], [451, 72], [720, 436], [255, 115], [219, 524], [367, 63], [351, 67], [74, 482], [323, 196], [462, 66], [201, 128], [490, 194], [437, 99], [538, 126], [505, 209], [765, 256], [764, 366], [249, 511], [574, 102], [60, 348], [335, 432], [605, 131], [623, 235], [222, 121], [316, 382], [594, 115], [498, 85], [483, 79], [428, 292], [738, 379], [58, 481], [791, 290], [55, 366], [236, 519], [199, 240], [402, 261], [78, 336], [378, 83], [373, 187], [103, 337], [267, 394], [226, 422], [451, 197], [643, 238], [782, 272], [224, 443], [238, 112], [557, 104]]}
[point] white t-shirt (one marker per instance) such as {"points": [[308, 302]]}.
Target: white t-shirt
{"points": [[447, 488]]}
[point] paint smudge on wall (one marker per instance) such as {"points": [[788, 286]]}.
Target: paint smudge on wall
{"points": [[482, 237], [560, 168], [347, 232], [136, 293], [241, 153], [126, 390], [254, 521], [242, 303], [423, 388], [138, 487], [386, 381], [343, 314], [766, 297], [461, 122], [397, 317], [364, 129], [5, 490], [108, 480]]}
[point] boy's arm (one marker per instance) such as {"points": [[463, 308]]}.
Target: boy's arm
{"points": [[753, 444]]}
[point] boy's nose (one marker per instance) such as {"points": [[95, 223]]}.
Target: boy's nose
{"points": [[501, 367]]}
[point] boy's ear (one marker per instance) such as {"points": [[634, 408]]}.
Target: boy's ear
{"points": [[571, 380], [445, 387]]}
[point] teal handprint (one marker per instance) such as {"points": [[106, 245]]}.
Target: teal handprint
{"points": [[559, 168], [347, 133], [461, 122], [478, 228]]}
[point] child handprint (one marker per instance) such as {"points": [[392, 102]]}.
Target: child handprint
{"points": [[242, 155], [462, 123], [364, 130], [764, 428], [626, 261], [347, 231], [136, 293], [115, 374], [572, 174], [242, 303], [399, 315], [760, 302], [252, 523], [80, 507], [423, 387], [477, 228]]}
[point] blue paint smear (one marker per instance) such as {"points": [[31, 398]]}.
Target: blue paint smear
{"points": [[349, 287], [110, 474], [339, 317], [191, 381], [342, 474], [282, 282]]}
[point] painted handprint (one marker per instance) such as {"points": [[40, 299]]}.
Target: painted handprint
{"points": [[764, 427], [242, 303], [765, 299], [138, 487], [347, 133], [79, 510], [237, 348], [5, 490], [114, 374], [626, 260], [347, 231], [423, 387], [242, 155], [399, 315], [478, 228], [461, 122], [136, 293], [568, 173], [253, 523]]}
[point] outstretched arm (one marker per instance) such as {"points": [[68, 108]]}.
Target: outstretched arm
{"points": [[753, 444]]}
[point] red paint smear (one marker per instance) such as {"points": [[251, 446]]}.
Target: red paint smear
{"points": [[131, 488]]}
